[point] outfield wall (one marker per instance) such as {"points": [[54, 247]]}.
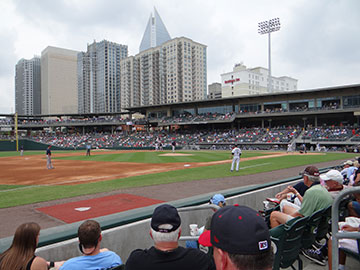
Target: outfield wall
{"points": [[10, 145]]}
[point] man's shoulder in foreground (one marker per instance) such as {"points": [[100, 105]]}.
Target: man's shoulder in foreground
{"points": [[104, 259], [180, 258]]}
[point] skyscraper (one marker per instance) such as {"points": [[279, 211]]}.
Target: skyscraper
{"points": [[58, 81], [155, 33], [175, 71], [28, 86], [99, 77]]}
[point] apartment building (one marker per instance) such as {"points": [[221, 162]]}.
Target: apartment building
{"points": [[214, 90], [253, 81], [98, 77], [59, 81], [175, 71], [28, 86]]}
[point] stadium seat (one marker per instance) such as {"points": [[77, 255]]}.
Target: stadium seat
{"points": [[325, 224], [287, 238], [311, 229]]}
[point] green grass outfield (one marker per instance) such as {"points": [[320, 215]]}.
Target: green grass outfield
{"points": [[20, 195]]}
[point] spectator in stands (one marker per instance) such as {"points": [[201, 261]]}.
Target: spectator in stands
{"points": [[90, 237], [166, 253], [240, 238], [21, 254], [348, 170], [218, 200], [297, 191], [354, 206], [315, 198], [350, 244], [355, 177], [333, 181]]}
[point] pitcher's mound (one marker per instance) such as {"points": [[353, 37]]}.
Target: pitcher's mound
{"points": [[175, 155]]}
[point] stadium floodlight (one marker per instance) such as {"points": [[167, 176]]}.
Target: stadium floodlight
{"points": [[267, 27]]}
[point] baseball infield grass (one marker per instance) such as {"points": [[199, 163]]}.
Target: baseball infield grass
{"points": [[162, 156], [16, 195]]}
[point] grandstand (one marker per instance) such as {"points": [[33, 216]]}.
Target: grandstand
{"points": [[328, 116]]}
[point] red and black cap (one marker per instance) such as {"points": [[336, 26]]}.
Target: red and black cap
{"points": [[311, 170], [237, 230], [165, 214]]}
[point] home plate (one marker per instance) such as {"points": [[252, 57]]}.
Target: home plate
{"points": [[187, 165], [82, 209]]}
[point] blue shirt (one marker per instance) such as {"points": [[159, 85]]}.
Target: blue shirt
{"points": [[101, 261]]}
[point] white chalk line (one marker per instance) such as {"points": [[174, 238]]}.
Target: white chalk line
{"points": [[257, 165]]}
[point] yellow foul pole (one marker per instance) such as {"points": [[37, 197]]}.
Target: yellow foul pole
{"points": [[16, 131]]}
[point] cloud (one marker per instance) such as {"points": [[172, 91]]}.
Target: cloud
{"points": [[317, 44], [325, 39]]}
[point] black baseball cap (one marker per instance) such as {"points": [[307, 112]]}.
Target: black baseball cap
{"points": [[237, 230], [165, 214]]}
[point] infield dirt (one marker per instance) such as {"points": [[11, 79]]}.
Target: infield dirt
{"points": [[31, 170]]}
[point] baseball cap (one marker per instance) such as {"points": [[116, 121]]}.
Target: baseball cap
{"points": [[348, 162], [311, 170], [332, 175], [165, 214], [237, 230], [217, 198]]}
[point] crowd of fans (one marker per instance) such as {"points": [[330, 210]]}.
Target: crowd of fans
{"points": [[218, 138], [149, 139], [329, 134]]}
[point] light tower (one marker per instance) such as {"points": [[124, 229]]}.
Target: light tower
{"points": [[267, 27]]}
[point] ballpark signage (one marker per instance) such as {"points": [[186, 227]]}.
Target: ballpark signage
{"points": [[232, 81]]}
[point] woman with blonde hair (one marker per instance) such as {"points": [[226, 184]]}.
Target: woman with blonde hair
{"points": [[21, 254]]}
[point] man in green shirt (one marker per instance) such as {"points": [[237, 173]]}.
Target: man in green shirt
{"points": [[315, 198]]}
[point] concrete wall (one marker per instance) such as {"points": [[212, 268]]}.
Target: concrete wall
{"points": [[123, 239]]}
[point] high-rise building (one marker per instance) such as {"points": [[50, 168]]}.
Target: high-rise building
{"points": [[155, 33], [58, 81], [214, 90], [28, 86], [99, 77], [244, 81], [175, 71]]}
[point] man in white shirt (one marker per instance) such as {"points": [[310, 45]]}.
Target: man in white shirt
{"points": [[236, 153]]}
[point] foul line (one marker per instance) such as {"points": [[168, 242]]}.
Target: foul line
{"points": [[19, 188], [257, 165]]}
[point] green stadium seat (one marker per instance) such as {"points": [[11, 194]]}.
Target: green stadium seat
{"points": [[287, 238], [310, 232]]}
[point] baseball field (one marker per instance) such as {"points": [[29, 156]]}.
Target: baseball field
{"points": [[25, 179]]}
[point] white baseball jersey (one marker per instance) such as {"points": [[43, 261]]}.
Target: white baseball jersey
{"points": [[236, 152]]}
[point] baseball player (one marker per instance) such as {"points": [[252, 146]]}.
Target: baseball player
{"points": [[88, 149], [173, 145], [48, 158], [236, 153]]}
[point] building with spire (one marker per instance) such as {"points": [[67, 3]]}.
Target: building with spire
{"points": [[155, 33], [165, 70]]}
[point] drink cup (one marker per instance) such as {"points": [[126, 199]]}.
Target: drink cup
{"points": [[194, 229]]}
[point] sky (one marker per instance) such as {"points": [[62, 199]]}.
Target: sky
{"points": [[318, 42]]}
